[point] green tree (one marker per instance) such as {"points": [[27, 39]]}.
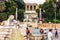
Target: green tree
{"points": [[9, 8], [58, 14], [12, 7], [20, 4], [49, 10], [3, 16], [2, 6], [21, 15], [21, 7], [58, 10]]}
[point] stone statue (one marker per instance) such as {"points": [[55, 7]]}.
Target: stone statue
{"points": [[10, 21]]}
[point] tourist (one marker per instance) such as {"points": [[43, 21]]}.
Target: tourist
{"points": [[44, 35], [56, 34], [45, 31], [41, 31], [49, 35], [27, 33]]}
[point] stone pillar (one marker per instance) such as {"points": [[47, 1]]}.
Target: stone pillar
{"points": [[32, 7], [29, 7], [25, 7]]}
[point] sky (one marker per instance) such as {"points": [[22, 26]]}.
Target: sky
{"points": [[34, 1]]}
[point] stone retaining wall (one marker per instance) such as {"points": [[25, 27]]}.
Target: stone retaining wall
{"points": [[44, 25], [49, 25]]}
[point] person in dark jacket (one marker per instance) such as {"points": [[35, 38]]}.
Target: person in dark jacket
{"points": [[41, 31], [56, 33]]}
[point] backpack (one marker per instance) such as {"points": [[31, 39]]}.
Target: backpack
{"points": [[27, 31]]}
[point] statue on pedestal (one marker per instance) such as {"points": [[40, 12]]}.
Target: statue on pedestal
{"points": [[10, 21], [16, 34]]}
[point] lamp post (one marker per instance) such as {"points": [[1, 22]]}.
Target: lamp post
{"points": [[55, 13], [55, 16], [16, 14], [40, 14], [27, 20]]}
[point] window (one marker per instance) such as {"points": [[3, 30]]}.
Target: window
{"points": [[27, 7], [30, 7]]}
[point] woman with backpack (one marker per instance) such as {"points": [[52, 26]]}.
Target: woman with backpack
{"points": [[27, 33]]}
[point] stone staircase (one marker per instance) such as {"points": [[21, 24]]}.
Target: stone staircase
{"points": [[5, 34], [16, 35]]}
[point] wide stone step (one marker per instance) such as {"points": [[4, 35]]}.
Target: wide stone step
{"points": [[2, 33], [7, 27], [5, 30], [1, 38], [5, 33]]}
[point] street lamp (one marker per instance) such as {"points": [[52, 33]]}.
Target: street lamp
{"points": [[16, 13], [55, 13], [27, 20], [40, 14]]}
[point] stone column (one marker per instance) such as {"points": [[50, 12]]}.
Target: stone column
{"points": [[32, 7], [25, 7], [29, 7]]}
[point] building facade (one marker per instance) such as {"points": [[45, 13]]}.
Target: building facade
{"points": [[30, 13]]}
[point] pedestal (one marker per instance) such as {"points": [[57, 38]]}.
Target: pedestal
{"points": [[40, 21]]}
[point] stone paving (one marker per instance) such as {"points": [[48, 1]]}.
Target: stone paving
{"points": [[54, 34], [58, 35]]}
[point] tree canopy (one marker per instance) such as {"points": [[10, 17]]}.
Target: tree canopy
{"points": [[50, 11], [9, 8]]}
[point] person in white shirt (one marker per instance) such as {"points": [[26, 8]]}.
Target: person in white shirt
{"points": [[45, 31], [49, 35]]}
